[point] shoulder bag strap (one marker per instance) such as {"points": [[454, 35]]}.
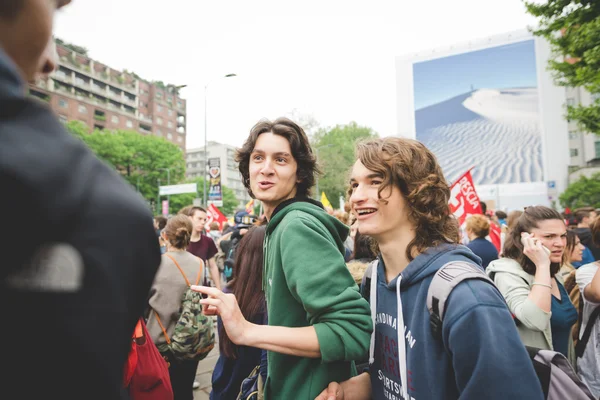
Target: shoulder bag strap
{"points": [[162, 327], [180, 270], [582, 343]]}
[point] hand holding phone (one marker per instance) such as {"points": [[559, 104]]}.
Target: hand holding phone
{"points": [[535, 250]]}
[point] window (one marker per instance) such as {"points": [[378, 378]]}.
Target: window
{"points": [[63, 118], [179, 139], [63, 103], [179, 104], [129, 123], [169, 124], [573, 135], [158, 132], [170, 112], [159, 95], [114, 119], [169, 136], [597, 148], [570, 101], [159, 120], [82, 109], [575, 152], [159, 108]]}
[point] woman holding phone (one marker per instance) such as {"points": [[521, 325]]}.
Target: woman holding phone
{"points": [[528, 278]]}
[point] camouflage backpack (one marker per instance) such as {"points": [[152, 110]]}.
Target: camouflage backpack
{"points": [[194, 335]]}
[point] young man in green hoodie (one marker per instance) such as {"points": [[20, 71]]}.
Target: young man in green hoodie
{"points": [[318, 321]]}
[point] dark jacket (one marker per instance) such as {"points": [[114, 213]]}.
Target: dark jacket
{"points": [[484, 249], [478, 354], [229, 373], [79, 255]]}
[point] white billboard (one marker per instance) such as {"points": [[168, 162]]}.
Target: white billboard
{"points": [[491, 105]]}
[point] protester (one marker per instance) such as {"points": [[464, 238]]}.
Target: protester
{"points": [[235, 363], [478, 227], [400, 197], [584, 217], [362, 255], [166, 296], [588, 280], [159, 224], [203, 246], [573, 253], [215, 232], [84, 275], [318, 321], [528, 278]]}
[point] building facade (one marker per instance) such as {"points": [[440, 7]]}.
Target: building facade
{"points": [[86, 90], [230, 174], [584, 147]]}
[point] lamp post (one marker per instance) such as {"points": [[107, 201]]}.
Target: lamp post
{"points": [[206, 139], [317, 156], [168, 183]]}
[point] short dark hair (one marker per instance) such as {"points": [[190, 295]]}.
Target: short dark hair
{"points": [[299, 144], [582, 213], [483, 207], [9, 9], [161, 221], [513, 248], [501, 214]]}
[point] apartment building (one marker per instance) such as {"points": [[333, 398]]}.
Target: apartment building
{"points": [[583, 146], [86, 90], [230, 175]]}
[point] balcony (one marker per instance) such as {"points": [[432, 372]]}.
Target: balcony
{"points": [[181, 130], [87, 70]]}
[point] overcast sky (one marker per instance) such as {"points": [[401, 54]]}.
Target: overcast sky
{"points": [[331, 59]]}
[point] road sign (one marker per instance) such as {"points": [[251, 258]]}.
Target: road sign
{"points": [[178, 189], [165, 207], [218, 203]]}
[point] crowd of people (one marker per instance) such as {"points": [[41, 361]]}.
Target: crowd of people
{"points": [[317, 304]]}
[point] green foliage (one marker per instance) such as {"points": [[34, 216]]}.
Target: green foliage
{"points": [[138, 158], [572, 27], [336, 157], [582, 193], [75, 48]]}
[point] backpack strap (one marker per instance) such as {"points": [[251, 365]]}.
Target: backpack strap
{"points": [[582, 343], [442, 284], [188, 283]]}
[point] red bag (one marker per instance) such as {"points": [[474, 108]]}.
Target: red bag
{"points": [[146, 373]]}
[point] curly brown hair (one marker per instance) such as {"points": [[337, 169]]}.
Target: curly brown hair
{"points": [[179, 231], [299, 144], [413, 168]]}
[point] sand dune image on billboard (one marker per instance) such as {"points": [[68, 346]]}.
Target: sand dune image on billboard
{"points": [[481, 109]]}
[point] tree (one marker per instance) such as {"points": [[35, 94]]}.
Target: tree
{"points": [[141, 160], [178, 201], [582, 193], [336, 157], [572, 27]]}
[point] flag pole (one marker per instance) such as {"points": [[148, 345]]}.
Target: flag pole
{"points": [[466, 172]]}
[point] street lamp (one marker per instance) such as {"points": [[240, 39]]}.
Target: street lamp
{"points": [[206, 138], [317, 156], [168, 183]]}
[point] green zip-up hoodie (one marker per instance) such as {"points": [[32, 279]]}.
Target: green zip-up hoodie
{"points": [[306, 283]]}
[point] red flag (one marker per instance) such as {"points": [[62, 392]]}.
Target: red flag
{"points": [[464, 200], [215, 215], [496, 236]]}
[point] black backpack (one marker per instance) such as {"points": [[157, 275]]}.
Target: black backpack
{"points": [[556, 375]]}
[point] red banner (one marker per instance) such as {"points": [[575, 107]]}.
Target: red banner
{"points": [[215, 215], [464, 200]]}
